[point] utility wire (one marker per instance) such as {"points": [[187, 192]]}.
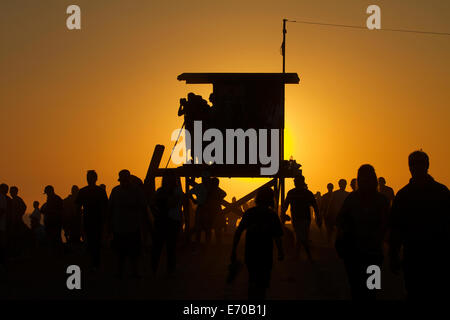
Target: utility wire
{"points": [[364, 28]]}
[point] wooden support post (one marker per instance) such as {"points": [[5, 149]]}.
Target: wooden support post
{"points": [[276, 192], [283, 192], [149, 181], [229, 206], [187, 212]]}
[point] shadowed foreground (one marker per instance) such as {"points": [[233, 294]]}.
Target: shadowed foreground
{"points": [[200, 275]]}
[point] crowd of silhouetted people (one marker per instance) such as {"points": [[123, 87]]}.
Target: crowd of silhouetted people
{"points": [[412, 227]]}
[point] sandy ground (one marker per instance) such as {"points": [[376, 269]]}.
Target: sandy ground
{"points": [[200, 275]]}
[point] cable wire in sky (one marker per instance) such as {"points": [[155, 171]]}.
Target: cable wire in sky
{"points": [[365, 28]]}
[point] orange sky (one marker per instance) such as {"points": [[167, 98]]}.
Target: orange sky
{"points": [[102, 97]]}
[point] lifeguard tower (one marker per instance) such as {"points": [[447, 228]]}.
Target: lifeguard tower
{"points": [[241, 100]]}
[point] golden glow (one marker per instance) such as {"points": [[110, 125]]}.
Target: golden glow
{"points": [[103, 97]]}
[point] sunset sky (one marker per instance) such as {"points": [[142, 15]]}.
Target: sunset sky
{"points": [[102, 97]]}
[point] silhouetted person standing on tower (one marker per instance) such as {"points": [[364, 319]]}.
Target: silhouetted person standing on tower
{"points": [[194, 109], [93, 202], [420, 223], [361, 226], [263, 227], [52, 211], [335, 206], [301, 200]]}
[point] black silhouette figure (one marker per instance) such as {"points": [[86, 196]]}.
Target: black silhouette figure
{"points": [[36, 227], [128, 208], [354, 184], [233, 216], [301, 200], [92, 201], [361, 226], [420, 224], [202, 216], [195, 108], [52, 211], [263, 227], [318, 197], [216, 220], [385, 190], [72, 218], [18, 227], [325, 206], [167, 209], [35, 216], [335, 206]]}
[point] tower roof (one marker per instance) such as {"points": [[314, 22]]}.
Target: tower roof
{"points": [[198, 78]]}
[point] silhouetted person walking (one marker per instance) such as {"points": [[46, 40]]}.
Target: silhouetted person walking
{"points": [[301, 200], [216, 219], [201, 213], [166, 209], [318, 197], [35, 217], [335, 206], [361, 226], [36, 227], [93, 202], [52, 211], [128, 207], [420, 223], [18, 227], [385, 190], [263, 227], [72, 217], [325, 205], [233, 216]]}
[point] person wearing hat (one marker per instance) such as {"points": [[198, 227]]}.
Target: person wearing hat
{"points": [[301, 200], [128, 207], [52, 211]]}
